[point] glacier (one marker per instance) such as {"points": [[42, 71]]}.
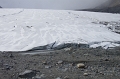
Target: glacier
{"points": [[25, 29]]}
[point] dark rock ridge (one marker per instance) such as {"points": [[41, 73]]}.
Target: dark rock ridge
{"points": [[0, 7], [111, 6], [115, 9], [109, 3]]}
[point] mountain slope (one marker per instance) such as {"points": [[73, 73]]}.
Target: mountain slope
{"points": [[114, 3], [24, 29], [115, 9], [109, 3], [111, 6]]}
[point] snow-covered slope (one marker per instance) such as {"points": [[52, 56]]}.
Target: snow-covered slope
{"points": [[24, 29]]}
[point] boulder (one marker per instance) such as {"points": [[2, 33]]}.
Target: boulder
{"points": [[28, 74]]}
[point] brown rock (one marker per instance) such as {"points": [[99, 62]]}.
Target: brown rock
{"points": [[85, 74], [81, 65]]}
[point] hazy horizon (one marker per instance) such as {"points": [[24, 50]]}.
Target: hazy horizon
{"points": [[51, 4]]}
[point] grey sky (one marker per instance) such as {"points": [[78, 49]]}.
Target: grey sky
{"points": [[51, 4]]}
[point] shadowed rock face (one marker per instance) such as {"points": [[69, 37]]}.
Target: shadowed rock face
{"points": [[109, 4], [0, 7], [114, 3], [115, 9], [112, 6]]}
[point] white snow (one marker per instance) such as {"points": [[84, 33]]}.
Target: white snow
{"points": [[23, 29]]}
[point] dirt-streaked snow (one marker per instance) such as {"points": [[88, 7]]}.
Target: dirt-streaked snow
{"points": [[23, 29]]}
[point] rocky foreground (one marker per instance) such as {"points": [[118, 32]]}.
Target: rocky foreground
{"points": [[68, 63]]}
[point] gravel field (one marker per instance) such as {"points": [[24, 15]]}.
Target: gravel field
{"points": [[67, 63]]}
